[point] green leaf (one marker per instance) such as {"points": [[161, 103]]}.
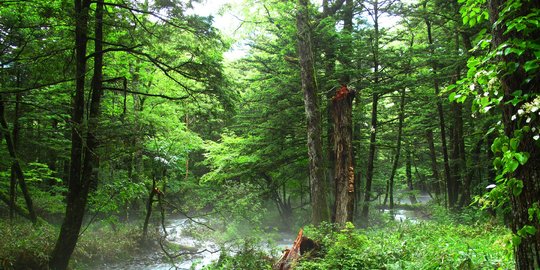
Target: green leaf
{"points": [[522, 157], [510, 50], [451, 96], [514, 143], [496, 145], [465, 19], [516, 240], [527, 230], [497, 163], [517, 186], [472, 21], [511, 165], [530, 65]]}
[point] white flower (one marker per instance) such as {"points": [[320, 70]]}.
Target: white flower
{"points": [[521, 111], [534, 109], [536, 137], [528, 120], [491, 186], [471, 86], [513, 117], [487, 108]]}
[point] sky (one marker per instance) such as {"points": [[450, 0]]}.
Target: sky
{"points": [[228, 21], [225, 20]]}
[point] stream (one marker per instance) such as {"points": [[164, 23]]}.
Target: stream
{"points": [[204, 251], [179, 231]]}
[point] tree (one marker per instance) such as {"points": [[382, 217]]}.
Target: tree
{"points": [[343, 149], [506, 76], [320, 211], [451, 187]]}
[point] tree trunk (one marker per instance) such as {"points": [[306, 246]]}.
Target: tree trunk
{"points": [[395, 164], [373, 130], [440, 113], [344, 168], [149, 204], [434, 167], [329, 76], [320, 211], [527, 251], [81, 170], [16, 166], [467, 185], [408, 172], [15, 136]]}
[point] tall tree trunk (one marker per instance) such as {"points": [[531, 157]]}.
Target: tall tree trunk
{"points": [[440, 113], [149, 203], [527, 251], [390, 186], [320, 211], [15, 136], [434, 167], [373, 130], [344, 174], [81, 169], [408, 172], [329, 75], [466, 195], [15, 165], [454, 159], [460, 161]]}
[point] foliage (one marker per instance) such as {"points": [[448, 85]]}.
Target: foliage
{"points": [[427, 245], [108, 242], [248, 256], [25, 246], [505, 76]]}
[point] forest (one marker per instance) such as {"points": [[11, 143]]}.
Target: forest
{"points": [[380, 134]]}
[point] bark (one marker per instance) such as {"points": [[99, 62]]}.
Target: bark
{"points": [[15, 165], [15, 134], [81, 169], [344, 166], [467, 184], [440, 113], [373, 131], [329, 75], [460, 170], [434, 166], [527, 252], [408, 172], [319, 205], [390, 186], [149, 204], [455, 167]]}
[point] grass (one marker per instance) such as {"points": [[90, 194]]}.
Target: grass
{"points": [[23, 246]]}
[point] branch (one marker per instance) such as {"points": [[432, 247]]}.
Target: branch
{"points": [[145, 94], [35, 87], [123, 49], [161, 18]]}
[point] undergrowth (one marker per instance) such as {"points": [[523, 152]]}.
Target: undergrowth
{"points": [[426, 245], [467, 240], [25, 246]]}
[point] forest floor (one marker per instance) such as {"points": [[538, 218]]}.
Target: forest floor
{"points": [[419, 238]]}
